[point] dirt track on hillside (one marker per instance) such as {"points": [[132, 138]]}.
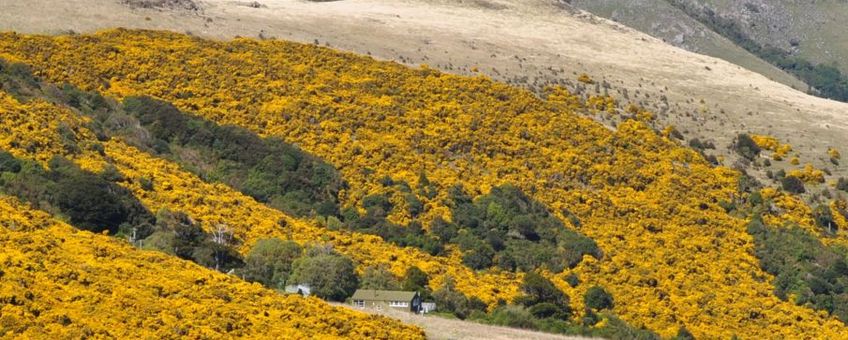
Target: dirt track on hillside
{"points": [[439, 328], [526, 42]]}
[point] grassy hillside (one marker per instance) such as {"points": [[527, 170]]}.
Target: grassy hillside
{"points": [[811, 30], [58, 282], [797, 38], [662, 20], [672, 254]]}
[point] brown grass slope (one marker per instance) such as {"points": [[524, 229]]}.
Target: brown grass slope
{"points": [[662, 20], [814, 30]]}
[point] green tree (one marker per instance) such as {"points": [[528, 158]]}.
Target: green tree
{"points": [[89, 202], [216, 255], [538, 289], [330, 275], [415, 279], [9, 163], [270, 261], [378, 277], [187, 234], [448, 299]]}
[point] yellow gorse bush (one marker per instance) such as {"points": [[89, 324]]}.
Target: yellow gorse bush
{"points": [[833, 153], [808, 174], [772, 144], [62, 283], [673, 257]]}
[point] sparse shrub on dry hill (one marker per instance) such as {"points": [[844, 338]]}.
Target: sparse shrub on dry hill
{"points": [[673, 258], [190, 5], [842, 184], [770, 143], [793, 184], [58, 282], [826, 80], [808, 174], [746, 147]]}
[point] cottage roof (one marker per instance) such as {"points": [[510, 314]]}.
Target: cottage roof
{"points": [[382, 295]]}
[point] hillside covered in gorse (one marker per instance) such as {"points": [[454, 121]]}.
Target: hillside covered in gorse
{"points": [[58, 282], [482, 187]]}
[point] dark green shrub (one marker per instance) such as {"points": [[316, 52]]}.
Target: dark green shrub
{"points": [[824, 218], [793, 185], [513, 316], [746, 147], [544, 310], [146, 184], [269, 169], [475, 304], [508, 229], [9, 163], [814, 273], [842, 184], [537, 289], [415, 279], [378, 277], [597, 298], [89, 201], [696, 143], [684, 334]]}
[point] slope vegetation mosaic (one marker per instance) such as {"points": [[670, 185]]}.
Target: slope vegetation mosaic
{"points": [[59, 282], [470, 168]]}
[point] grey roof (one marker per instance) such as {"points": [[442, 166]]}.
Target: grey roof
{"points": [[382, 295]]}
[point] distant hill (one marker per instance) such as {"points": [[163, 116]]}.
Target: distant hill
{"points": [[793, 36], [661, 19]]}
